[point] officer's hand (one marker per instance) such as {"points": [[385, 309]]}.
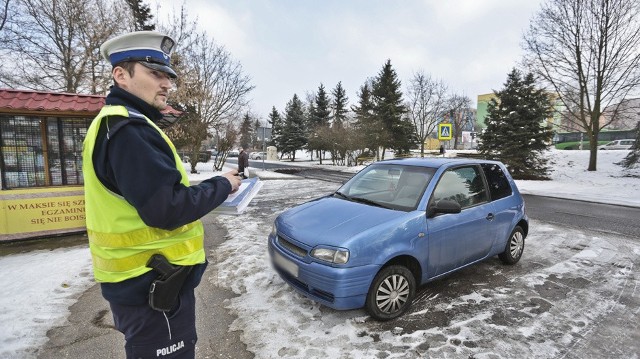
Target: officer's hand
{"points": [[234, 179]]}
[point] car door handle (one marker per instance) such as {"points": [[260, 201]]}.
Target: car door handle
{"points": [[490, 217]]}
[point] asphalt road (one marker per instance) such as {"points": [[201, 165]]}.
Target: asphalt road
{"points": [[588, 216]]}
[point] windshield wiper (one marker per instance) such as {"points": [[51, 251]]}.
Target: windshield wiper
{"points": [[340, 194], [368, 201], [360, 200]]}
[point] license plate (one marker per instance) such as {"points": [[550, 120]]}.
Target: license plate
{"points": [[285, 264]]}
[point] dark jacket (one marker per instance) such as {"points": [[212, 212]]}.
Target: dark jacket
{"points": [[243, 160], [133, 160]]}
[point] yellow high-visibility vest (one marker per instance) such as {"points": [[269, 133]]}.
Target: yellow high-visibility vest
{"points": [[120, 242]]}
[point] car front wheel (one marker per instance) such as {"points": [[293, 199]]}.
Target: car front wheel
{"points": [[391, 293], [514, 248]]}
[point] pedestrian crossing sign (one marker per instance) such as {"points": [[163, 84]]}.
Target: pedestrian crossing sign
{"points": [[444, 131]]}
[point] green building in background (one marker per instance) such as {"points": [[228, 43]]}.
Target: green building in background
{"points": [[483, 104]]}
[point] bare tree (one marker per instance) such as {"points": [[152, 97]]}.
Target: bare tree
{"points": [[211, 86], [427, 101], [103, 22], [225, 135], [5, 14], [588, 52], [50, 44], [459, 112]]}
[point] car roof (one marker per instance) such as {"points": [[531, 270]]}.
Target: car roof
{"points": [[435, 162]]}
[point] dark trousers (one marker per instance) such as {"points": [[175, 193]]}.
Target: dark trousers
{"points": [[154, 334]]}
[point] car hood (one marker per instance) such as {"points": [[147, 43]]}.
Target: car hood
{"points": [[332, 221]]}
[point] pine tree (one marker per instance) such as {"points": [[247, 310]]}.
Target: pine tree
{"points": [[389, 108], [633, 158], [276, 123], [319, 119], [320, 114], [141, 14], [365, 121], [256, 131], [246, 132], [517, 131], [339, 106], [293, 136]]}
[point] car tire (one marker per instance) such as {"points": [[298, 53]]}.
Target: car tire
{"points": [[514, 248], [391, 293]]}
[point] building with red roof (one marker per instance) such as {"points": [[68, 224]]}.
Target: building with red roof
{"points": [[41, 184]]}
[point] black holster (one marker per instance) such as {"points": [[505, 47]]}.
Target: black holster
{"points": [[164, 290]]}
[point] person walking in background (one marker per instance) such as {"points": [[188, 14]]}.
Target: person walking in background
{"points": [[243, 163], [145, 236]]}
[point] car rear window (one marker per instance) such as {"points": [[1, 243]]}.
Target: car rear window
{"points": [[499, 186]]}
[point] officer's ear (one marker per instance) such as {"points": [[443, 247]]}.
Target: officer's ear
{"points": [[120, 76]]}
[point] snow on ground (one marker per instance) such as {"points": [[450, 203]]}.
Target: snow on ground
{"points": [[277, 322], [39, 286]]}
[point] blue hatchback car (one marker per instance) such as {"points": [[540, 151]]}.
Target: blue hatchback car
{"points": [[395, 225]]}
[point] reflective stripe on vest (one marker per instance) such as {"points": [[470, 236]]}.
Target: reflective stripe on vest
{"points": [[120, 242]]}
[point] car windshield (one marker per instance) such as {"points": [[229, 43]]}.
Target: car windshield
{"points": [[397, 187]]}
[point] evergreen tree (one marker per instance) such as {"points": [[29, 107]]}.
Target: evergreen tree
{"points": [[339, 106], [389, 108], [311, 109], [633, 158], [517, 131], [246, 132], [293, 136], [319, 119], [256, 133], [366, 123], [407, 137], [141, 14], [276, 123], [320, 114]]}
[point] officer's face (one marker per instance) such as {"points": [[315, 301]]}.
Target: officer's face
{"points": [[150, 85]]}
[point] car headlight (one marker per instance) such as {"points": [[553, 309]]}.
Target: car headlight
{"points": [[337, 256], [274, 230]]}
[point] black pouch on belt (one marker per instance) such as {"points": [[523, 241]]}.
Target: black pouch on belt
{"points": [[164, 291]]}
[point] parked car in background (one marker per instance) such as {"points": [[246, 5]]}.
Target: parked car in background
{"points": [[258, 155], [233, 153], [618, 145], [395, 225]]}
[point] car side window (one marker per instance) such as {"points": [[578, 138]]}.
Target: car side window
{"points": [[499, 186], [464, 185]]}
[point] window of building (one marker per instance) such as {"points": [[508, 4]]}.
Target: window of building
{"points": [[41, 151]]}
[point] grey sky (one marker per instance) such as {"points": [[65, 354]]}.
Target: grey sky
{"points": [[289, 46]]}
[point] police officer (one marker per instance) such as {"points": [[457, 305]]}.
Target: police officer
{"points": [[140, 205]]}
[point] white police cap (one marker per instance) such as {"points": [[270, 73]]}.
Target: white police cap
{"points": [[149, 48]]}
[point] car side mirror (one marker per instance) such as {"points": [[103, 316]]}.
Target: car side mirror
{"points": [[442, 207]]}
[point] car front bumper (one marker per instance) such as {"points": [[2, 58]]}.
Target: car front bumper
{"points": [[340, 288]]}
